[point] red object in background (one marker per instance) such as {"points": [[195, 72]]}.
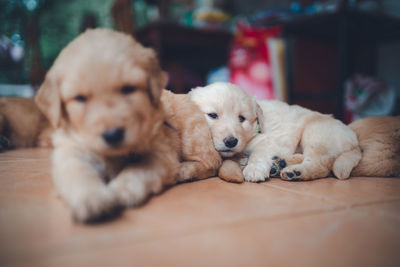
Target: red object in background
{"points": [[249, 61]]}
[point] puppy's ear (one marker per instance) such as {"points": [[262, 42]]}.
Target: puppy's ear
{"points": [[48, 101], [260, 116], [157, 79]]}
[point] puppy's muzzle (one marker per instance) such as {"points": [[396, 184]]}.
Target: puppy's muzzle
{"points": [[114, 137], [230, 141]]}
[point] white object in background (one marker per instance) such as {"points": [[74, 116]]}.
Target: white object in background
{"points": [[23, 90], [276, 49]]}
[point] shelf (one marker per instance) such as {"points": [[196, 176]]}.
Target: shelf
{"points": [[364, 26]]}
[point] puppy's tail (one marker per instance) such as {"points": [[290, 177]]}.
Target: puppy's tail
{"points": [[345, 163]]}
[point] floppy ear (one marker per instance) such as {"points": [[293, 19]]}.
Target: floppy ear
{"points": [[260, 116], [157, 79], [48, 101]]}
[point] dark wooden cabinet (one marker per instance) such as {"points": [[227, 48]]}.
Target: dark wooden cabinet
{"points": [[187, 54], [325, 50]]}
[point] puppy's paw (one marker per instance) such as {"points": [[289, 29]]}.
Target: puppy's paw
{"points": [[230, 171], [255, 172], [131, 192], [93, 205], [277, 165], [291, 174]]}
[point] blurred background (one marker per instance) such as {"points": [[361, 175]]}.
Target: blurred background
{"points": [[335, 56]]}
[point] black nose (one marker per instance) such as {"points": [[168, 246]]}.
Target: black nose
{"points": [[230, 142], [114, 137]]}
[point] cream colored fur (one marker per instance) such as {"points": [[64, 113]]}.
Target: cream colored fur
{"points": [[327, 144], [228, 102]]}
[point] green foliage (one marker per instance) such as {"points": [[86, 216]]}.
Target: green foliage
{"points": [[59, 23]]}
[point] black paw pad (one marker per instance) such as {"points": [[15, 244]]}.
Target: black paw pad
{"points": [[282, 164], [289, 174], [275, 158], [273, 171], [297, 173]]}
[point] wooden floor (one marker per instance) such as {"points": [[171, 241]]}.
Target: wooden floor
{"points": [[325, 222]]}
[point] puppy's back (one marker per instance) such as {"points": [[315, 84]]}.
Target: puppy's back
{"points": [[379, 139], [194, 133], [21, 121]]}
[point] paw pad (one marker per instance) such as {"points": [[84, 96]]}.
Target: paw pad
{"points": [[292, 176], [277, 165]]}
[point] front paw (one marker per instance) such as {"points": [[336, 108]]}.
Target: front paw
{"points": [[132, 192], [93, 205], [256, 172], [277, 165]]}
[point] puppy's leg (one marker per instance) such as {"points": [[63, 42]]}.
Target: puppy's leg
{"points": [[77, 180], [195, 170], [135, 183], [320, 149], [264, 150], [230, 171], [318, 153], [278, 164], [312, 167]]}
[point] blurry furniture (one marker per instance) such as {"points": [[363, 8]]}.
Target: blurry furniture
{"points": [[324, 50], [187, 54], [122, 14]]}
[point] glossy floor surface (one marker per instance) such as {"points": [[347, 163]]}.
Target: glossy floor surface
{"points": [[325, 222]]}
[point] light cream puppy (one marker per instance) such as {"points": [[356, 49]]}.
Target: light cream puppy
{"points": [[232, 115], [326, 144]]}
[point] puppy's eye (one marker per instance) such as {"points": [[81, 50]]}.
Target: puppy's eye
{"points": [[127, 89], [81, 98], [241, 118], [213, 115]]}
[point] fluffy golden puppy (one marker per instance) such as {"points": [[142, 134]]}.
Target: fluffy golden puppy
{"points": [[199, 159], [326, 144], [379, 139], [113, 145], [232, 115], [22, 124]]}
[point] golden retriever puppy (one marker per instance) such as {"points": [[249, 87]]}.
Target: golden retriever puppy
{"points": [[113, 145], [379, 139], [326, 144], [199, 159], [232, 115], [22, 124]]}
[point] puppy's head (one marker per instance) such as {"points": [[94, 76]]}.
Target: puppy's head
{"points": [[231, 114], [104, 90]]}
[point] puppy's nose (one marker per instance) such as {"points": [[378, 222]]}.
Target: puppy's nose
{"points": [[114, 137], [230, 141]]}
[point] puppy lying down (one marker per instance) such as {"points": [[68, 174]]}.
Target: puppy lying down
{"points": [[326, 143], [22, 124], [233, 117], [114, 144]]}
